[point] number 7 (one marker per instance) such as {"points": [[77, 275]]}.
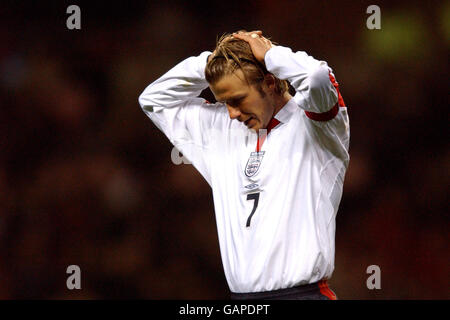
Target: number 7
{"points": [[255, 197]]}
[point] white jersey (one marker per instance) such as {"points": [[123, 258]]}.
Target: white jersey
{"points": [[275, 207]]}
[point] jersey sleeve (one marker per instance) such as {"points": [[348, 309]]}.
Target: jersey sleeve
{"points": [[173, 105], [316, 90], [317, 93]]}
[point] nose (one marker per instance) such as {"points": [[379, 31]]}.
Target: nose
{"points": [[234, 112]]}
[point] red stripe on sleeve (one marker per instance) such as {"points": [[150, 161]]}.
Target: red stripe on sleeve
{"points": [[341, 102], [324, 116]]}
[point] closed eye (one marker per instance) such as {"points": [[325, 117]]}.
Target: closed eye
{"points": [[235, 102]]}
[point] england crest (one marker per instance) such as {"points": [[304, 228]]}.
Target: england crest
{"points": [[253, 163]]}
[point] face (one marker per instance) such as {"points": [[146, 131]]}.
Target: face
{"points": [[244, 102]]}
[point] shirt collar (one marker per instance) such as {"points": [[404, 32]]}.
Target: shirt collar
{"points": [[286, 112]]}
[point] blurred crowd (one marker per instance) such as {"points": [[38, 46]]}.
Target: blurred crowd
{"points": [[86, 179]]}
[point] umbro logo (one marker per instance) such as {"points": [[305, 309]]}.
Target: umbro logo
{"points": [[252, 186]]}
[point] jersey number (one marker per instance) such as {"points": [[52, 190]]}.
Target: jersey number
{"points": [[255, 197]]}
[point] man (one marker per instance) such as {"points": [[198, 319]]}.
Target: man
{"points": [[275, 162]]}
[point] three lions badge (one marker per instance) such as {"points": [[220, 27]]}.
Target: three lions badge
{"points": [[253, 163]]}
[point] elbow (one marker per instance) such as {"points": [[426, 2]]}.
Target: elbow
{"points": [[321, 88], [144, 101], [141, 100], [319, 79]]}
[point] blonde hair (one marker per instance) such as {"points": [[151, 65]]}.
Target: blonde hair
{"points": [[231, 54]]}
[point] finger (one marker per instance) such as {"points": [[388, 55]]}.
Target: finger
{"points": [[253, 38], [241, 36], [246, 36], [248, 32], [258, 32], [254, 35]]}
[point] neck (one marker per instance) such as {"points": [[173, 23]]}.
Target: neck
{"points": [[280, 101]]}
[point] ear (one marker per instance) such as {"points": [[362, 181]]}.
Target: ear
{"points": [[269, 81]]}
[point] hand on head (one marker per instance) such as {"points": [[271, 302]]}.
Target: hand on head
{"points": [[259, 44]]}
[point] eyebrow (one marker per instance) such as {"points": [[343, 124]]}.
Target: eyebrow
{"points": [[238, 97]]}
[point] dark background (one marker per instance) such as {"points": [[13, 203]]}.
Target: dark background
{"points": [[87, 179]]}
